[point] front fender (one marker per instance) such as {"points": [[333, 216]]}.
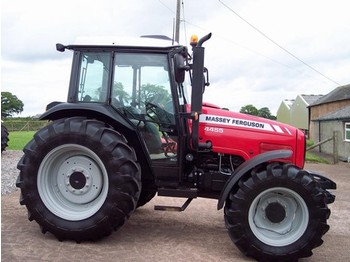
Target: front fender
{"points": [[245, 167]]}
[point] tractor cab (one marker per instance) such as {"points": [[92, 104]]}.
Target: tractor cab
{"points": [[138, 86], [145, 85], [142, 92]]}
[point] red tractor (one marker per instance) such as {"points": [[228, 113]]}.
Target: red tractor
{"points": [[129, 131]]}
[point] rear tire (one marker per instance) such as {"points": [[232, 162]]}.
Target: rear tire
{"points": [[277, 214], [145, 197], [79, 179]]}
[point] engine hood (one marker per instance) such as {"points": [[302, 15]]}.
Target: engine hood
{"points": [[246, 135], [212, 114]]}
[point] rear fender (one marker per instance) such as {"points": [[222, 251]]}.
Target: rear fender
{"points": [[107, 114], [246, 167]]}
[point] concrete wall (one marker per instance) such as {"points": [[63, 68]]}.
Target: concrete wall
{"points": [[321, 110], [324, 129]]}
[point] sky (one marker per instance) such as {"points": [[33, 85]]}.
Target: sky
{"points": [[261, 51]]}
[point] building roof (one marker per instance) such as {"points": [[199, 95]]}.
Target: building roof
{"points": [[342, 114], [288, 102], [338, 94], [310, 99]]}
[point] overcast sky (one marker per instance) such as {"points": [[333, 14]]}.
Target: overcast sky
{"points": [[244, 66]]}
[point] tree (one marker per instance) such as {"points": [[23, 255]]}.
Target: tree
{"points": [[249, 109], [265, 112], [120, 94], [262, 112], [154, 93], [10, 105]]}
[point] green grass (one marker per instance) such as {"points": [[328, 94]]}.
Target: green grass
{"points": [[309, 143], [313, 158], [18, 139], [310, 157]]}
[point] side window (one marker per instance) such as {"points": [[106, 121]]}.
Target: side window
{"points": [[347, 132], [93, 79], [141, 85]]}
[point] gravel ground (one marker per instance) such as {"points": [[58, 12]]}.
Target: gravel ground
{"points": [[9, 171]]}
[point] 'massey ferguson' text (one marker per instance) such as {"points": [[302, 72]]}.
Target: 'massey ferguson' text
{"points": [[234, 122]]}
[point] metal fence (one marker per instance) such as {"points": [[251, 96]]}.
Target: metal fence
{"points": [[334, 139], [24, 125]]}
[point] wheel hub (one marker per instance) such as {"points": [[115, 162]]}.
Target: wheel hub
{"points": [[278, 216], [275, 212], [77, 180], [80, 180], [72, 182]]}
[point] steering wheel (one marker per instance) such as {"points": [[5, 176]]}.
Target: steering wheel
{"points": [[163, 116]]}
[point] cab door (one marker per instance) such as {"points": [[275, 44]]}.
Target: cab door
{"points": [[141, 90]]}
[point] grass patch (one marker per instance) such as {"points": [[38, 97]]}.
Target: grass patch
{"points": [[313, 158], [18, 139], [309, 143]]}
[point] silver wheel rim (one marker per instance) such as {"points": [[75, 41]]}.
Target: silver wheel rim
{"points": [[72, 182], [286, 230]]}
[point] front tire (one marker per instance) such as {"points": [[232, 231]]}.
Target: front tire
{"points": [[277, 214], [79, 179]]}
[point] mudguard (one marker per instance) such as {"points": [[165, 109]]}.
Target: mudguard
{"points": [[325, 183], [245, 167], [56, 110], [107, 114]]}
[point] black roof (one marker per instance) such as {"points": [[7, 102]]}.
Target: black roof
{"points": [[311, 99], [338, 94]]}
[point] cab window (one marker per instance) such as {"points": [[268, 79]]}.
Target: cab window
{"points": [[93, 77], [142, 91]]}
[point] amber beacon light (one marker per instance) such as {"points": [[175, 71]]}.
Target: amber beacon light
{"points": [[194, 40]]}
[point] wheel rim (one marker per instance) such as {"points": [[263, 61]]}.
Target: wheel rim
{"points": [[72, 182], [278, 216]]}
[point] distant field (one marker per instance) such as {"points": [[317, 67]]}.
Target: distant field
{"points": [[18, 139]]}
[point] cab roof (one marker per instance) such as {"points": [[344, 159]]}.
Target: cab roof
{"points": [[153, 42]]}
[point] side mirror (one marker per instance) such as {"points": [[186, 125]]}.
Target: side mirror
{"points": [[60, 47], [205, 78], [180, 68]]}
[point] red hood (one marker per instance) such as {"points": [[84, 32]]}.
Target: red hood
{"points": [[213, 114], [246, 135]]}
